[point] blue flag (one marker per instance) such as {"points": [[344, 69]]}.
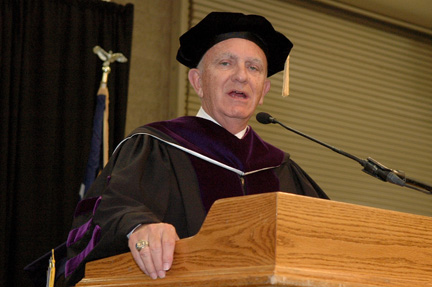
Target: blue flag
{"points": [[94, 163]]}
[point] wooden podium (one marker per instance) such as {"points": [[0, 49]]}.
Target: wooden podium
{"points": [[280, 239]]}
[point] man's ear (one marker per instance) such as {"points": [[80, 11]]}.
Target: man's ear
{"points": [[194, 76], [266, 89]]}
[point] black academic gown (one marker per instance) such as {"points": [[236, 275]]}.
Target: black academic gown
{"points": [[150, 179]]}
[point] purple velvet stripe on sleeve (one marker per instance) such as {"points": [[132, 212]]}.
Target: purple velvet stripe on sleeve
{"points": [[96, 205], [87, 205], [78, 233], [73, 263]]}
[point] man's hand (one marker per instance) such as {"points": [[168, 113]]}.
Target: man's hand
{"points": [[156, 257]]}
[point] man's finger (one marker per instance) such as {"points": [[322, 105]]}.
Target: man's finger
{"points": [[168, 251], [137, 257], [147, 258]]}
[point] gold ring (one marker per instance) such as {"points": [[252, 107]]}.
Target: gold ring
{"points": [[141, 244]]}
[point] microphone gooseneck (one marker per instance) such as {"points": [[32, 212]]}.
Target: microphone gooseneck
{"points": [[370, 166], [265, 118]]}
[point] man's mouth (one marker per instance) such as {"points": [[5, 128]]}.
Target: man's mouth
{"points": [[238, 94]]}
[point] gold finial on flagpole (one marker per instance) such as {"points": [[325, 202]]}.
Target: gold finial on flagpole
{"points": [[108, 58]]}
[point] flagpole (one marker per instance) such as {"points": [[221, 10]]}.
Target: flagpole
{"points": [[99, 145], [103, 90], [108, 58]]}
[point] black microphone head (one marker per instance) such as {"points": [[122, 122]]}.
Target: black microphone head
{"points": [[264, 118]]}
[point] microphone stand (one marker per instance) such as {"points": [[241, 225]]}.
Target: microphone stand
{"points": [[370, 166]]}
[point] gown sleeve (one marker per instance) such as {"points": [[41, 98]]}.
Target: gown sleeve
{"points": [[139, 185]]}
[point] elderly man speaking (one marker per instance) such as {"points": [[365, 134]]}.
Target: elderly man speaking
{"points": [[163, 178]]}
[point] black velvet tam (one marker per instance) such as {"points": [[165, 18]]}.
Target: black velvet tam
{"points": [[220, 26]]}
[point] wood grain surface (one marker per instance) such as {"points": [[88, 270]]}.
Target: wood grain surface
{"points": [[280, 239]]}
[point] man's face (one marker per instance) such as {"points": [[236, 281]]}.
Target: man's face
{"points": [[232, 80]]}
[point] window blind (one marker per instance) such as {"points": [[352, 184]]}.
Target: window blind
{"points": [[361, 86]]}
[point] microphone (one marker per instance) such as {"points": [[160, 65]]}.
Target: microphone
{"points": [[370, 166], [265, 118]]}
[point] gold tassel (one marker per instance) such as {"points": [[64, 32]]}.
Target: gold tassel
{"points": [[51, 271], [285, 87]]}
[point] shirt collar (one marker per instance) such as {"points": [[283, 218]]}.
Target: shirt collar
{"points": [[202, 114]]}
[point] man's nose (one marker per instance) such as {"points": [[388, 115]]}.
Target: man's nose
{"points": [[240, 73]]}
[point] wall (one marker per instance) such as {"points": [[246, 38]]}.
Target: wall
{"points": [[153, 51]]}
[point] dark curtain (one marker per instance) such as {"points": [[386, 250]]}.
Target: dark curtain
{"points": [[49, 78]]}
